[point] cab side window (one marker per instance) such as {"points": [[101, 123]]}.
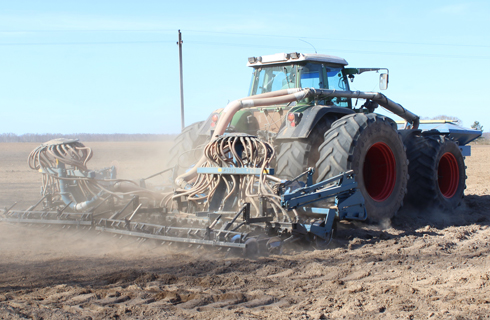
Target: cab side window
{"points": [[335, 78], [336, 81], [311, 76]]}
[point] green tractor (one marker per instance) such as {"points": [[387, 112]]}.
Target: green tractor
{"points": [[420, 163]]}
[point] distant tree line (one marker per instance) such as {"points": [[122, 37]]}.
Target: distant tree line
{"points": [[85, 137]]}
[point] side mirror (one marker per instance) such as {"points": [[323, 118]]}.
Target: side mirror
{"points": [[383, 81]]}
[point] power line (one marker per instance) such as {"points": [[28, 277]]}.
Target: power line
{"points": [[241, 45], [253, 35], [350, 51], [344, 39], [79, 43], [87, 30]]}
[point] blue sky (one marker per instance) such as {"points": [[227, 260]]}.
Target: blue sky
{"points": [[112, 66]]}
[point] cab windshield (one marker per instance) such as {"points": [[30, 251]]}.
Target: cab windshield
{"points": [[308, 75], [273, 78], [320, 76]]}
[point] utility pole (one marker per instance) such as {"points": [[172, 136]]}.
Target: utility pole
{"points": [[179, 43]]}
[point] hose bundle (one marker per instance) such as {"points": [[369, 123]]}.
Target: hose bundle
{"points": [[58, 154], [67, 151], [240, 151]]}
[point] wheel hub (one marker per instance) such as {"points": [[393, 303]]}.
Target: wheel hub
{"points": [[448, 175], [379, 171]]}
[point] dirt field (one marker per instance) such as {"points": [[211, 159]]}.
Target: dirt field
{"points": [[428, 265]]}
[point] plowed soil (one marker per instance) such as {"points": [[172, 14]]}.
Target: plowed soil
{"points": [[422, 265]]}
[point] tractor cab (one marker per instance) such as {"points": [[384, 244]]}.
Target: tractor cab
{"points": [[297, 70], [294, 70]]}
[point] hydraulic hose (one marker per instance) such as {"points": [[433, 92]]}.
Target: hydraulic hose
{"points": [[291, 95], [377, 97]]}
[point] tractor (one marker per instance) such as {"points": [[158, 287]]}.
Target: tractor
{"points": [[422, 164], [280, 166]]}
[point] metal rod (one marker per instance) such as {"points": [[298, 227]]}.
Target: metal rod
{"points": [[215, 222], [242, 209], [238, 226], [158, 173], [115, 215], [97, 206], [10, 208], [49, 222], [134, 212], [34, 206], [179, 43], [172, 239], [64, 208]]}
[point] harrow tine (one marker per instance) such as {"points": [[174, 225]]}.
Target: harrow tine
{"points": [[117, 214], [215, 222], [100, 204], [10, 208], [134, 212], [37, 203], [64, 208]]}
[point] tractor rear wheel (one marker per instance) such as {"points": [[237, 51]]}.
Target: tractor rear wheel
{"points": [[295, 156], [187, 148], [372, 147], [437, 172]]}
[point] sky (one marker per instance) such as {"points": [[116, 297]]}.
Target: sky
{"points": [[112, 66]]}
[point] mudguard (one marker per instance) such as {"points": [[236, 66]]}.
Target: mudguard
{"points": [[309, 119]]}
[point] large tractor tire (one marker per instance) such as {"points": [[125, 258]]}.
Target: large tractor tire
{"points": [[437, 172], [371, 146], [187, 148], [295, 156]]}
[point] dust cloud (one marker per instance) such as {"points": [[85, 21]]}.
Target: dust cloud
{"points": [[421, 265]]}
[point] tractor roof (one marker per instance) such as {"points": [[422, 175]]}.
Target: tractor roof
{"points": [[292, 57]]}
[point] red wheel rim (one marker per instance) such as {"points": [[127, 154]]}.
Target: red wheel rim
{"points": [[448, 175], [379, 171]]}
